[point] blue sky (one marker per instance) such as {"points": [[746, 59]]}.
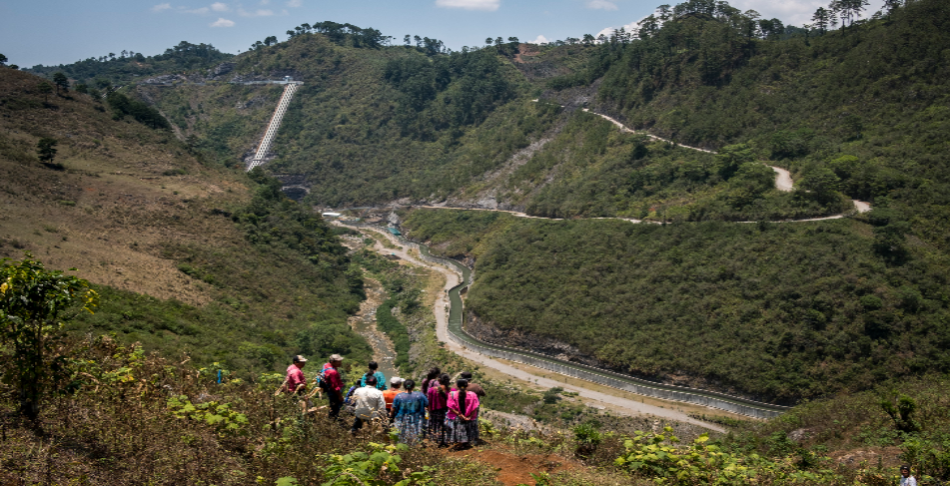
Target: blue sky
{"points": [[63, 31]]}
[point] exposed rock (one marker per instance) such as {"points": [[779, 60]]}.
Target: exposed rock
{"points": [[165, 79], [221, 69]]}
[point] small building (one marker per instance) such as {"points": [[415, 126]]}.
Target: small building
{"points": [[331, 215]]}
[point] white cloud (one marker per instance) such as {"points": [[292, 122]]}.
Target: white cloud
{"points": [[486, 5], [222, 22], [601, 4], [295, 3], [161, 7], [265, 2], [540, 40], [631, 28], [199, 11], [220, 7], [256, 13]]}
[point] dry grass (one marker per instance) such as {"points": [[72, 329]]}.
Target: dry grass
{"points": [[111, 206]]}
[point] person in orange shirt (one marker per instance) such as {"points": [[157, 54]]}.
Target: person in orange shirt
{"points": [[395, 388]]}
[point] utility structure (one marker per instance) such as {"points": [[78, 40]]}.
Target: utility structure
{"points": [[290, 86]]}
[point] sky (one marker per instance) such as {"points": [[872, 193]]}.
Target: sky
{"points": [[63, 31]]}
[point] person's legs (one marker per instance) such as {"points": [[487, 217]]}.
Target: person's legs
{"points": [[335, 408], [357, 425]]}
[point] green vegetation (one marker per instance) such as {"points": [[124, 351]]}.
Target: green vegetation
{"points": [[592, 169], [289, 293], [396, 332], [122, 105], [122, 69], [132, 417], [34, 302], [847, 315]]}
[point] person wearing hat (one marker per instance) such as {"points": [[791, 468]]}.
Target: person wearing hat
{"points": [[296, 382], [334, 384], [395, 388], [906, 478]]}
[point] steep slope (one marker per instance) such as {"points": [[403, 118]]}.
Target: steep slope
{"points": [[189, 258], [775, 312], [373, 125]]}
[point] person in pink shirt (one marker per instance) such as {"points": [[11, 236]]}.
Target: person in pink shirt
{"points": [[461, 420], [437, 397], [296, 382], [334, 384]]}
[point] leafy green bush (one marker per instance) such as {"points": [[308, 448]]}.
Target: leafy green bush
{"points": [[659, 457]]}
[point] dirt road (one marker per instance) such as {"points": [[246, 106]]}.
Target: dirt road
{"points": [[622, 405], [783, 179]]}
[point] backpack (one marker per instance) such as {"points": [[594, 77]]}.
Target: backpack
{"points": [[322, 382]]}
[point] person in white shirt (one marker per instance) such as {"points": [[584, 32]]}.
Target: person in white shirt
{"points": [[370, 404], [906, 478]]}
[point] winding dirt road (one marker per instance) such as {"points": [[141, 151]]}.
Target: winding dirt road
{"points": [[452, 278], [783, 179]]}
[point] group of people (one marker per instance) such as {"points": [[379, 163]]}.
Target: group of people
{"points": [[440, 411]]}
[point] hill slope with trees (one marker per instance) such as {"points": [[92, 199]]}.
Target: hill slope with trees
{"points": [[187, 257]]}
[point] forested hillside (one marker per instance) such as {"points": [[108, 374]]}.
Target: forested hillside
{"points": [[855, 112], [375, 123], [187, 257], [777, 311], [773, 311]]}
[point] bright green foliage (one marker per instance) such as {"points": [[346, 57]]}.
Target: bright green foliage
{"points": [[660, 457], [374, 468], [34, 303], [220, 416]]}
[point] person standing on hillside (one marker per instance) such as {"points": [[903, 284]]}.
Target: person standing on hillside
{"points": [[438, 398], [296, 382], [334, 384], [906, 478], [380, 379], [395, 385], [370, 404], [409, 410], [431, 379], [461, 421], [473, 387]]}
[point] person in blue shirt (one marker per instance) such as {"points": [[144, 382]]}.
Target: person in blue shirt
{"points": [[380, 379], [409, 413]]}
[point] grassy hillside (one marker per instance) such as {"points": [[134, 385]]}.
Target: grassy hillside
{"points": [[773, 311], [373, 125], [191, 259]]}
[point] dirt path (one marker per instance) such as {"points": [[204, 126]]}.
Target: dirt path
{"points": [[783, 179], [452, 278]]}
